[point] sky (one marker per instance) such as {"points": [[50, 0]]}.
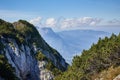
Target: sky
{"points": [[63, 14]]}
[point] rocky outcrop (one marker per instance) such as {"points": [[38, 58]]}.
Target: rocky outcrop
{"points": [[21, 47], [20, 58], [117, 77], [44, 73]]}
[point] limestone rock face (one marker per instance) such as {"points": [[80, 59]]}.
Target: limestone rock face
{"points": [[44, 73], [20, 44], [20, 58]]}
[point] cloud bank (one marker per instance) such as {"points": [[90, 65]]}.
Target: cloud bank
{"points": [[66, 23], [78, 22]]}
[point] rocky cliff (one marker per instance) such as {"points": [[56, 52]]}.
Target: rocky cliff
{"points": [[29, 56]]}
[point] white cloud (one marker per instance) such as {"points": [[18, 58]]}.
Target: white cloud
{"points": [[73, 23], [78, 22], [66, 23], [36, 21], [51, 22], [89, 20]]}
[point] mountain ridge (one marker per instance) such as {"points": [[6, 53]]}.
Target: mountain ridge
{"points": [[28, 53]]}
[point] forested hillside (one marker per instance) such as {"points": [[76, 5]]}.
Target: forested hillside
{"points": [[101, 61]]}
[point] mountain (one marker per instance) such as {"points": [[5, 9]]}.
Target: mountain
{"points": [[100, 62], [72, 42], [54, 40], [24, 55]]}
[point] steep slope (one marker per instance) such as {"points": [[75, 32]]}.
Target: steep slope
{"points": [[25, 50], [71, 42], [100, 62]]}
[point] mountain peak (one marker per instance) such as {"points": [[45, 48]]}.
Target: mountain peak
{"points": [[47, 30], [26, 51]]}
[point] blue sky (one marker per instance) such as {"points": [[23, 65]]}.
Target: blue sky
{"points": [[70, 10]]}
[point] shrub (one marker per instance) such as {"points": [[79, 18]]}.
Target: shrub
{"points": [[6, 70]]}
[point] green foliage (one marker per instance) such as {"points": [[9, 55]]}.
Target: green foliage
{"points": [[50, 66], [6, 71], [99, 57], [21, 31], [58, 58], [28, 32], [6, 28], [1, 46], [26, 28], [40, 56]]}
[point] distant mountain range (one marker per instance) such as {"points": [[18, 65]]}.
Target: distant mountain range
{"points": [[72, 42]]}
